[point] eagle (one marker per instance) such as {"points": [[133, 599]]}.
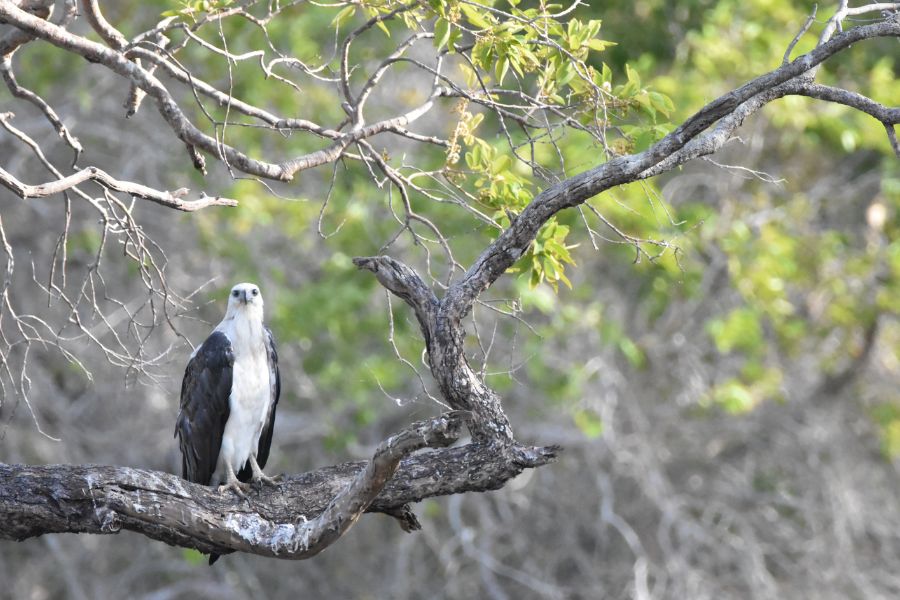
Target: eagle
{"points": [[228, 399]]}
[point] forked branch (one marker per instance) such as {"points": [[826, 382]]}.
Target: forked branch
{"points": [[302, 516]]}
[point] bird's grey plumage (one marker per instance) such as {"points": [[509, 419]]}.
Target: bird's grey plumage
{"points": [[228, 398]]}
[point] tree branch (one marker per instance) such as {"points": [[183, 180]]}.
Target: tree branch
{"points": [[406, 284], [444, 335], [885, 114], [304, 515], [165, 198]]}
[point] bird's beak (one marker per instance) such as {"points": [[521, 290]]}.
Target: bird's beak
{"points": [[244, 296]]}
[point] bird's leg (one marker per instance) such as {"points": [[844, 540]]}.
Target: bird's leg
{"points": [[260, 477], [232, 483]]}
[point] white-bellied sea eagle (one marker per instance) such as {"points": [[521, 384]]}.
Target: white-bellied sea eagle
{"points": [[228, 398]]}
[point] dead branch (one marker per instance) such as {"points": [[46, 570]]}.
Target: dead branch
{"points": [[302, 516], [164, 198]]}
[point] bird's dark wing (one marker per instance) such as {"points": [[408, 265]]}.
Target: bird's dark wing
{"points": [[265, 437], [205, 391]]}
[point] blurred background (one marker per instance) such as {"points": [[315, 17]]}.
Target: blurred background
{"points": [[730, 413]]}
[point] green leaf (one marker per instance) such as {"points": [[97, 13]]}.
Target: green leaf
{"points": [[646, 105], [471, 160], [606, 73], [631, 351], [482, 54], [560, 251], [572, 31], [475, 16], [343, 16], [599, 45], [192, 557], [740, 330], [442, 30], [662, 103], [501, 68], [537, 273], [633, 77], [455, 36], [500, 164], [592, 27], [734, 397], [565, 73]]}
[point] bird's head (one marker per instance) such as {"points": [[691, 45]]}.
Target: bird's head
{"points": [[245, 300]]}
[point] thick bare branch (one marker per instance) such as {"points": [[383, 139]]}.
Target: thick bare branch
{"points": [[297, 520], [444, 334]]}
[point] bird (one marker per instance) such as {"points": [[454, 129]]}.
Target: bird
{"points": [[229, 395]]}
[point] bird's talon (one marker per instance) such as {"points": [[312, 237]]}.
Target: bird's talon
{"points": [[235, 487], [265, 479]]}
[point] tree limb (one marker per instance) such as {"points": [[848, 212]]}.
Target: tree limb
{"points": [[165, 198], [302, 516], [406, 284]]}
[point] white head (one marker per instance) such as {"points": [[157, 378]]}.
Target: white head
{"points": [[245, 301]]}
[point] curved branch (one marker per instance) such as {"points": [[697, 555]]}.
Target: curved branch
{"points": [[165, 198], [444, 335], [885, 114], [296, 520], [406, 284], [112, 36], [9, 77]]}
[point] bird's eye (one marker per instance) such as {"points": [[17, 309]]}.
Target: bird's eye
{"points": [[255, 292], [235, 293]]}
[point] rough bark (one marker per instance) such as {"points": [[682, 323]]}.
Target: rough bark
{"points": [[296, 520], [441, 323]]}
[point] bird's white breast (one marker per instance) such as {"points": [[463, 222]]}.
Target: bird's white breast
{"points": [[251, 395]]}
